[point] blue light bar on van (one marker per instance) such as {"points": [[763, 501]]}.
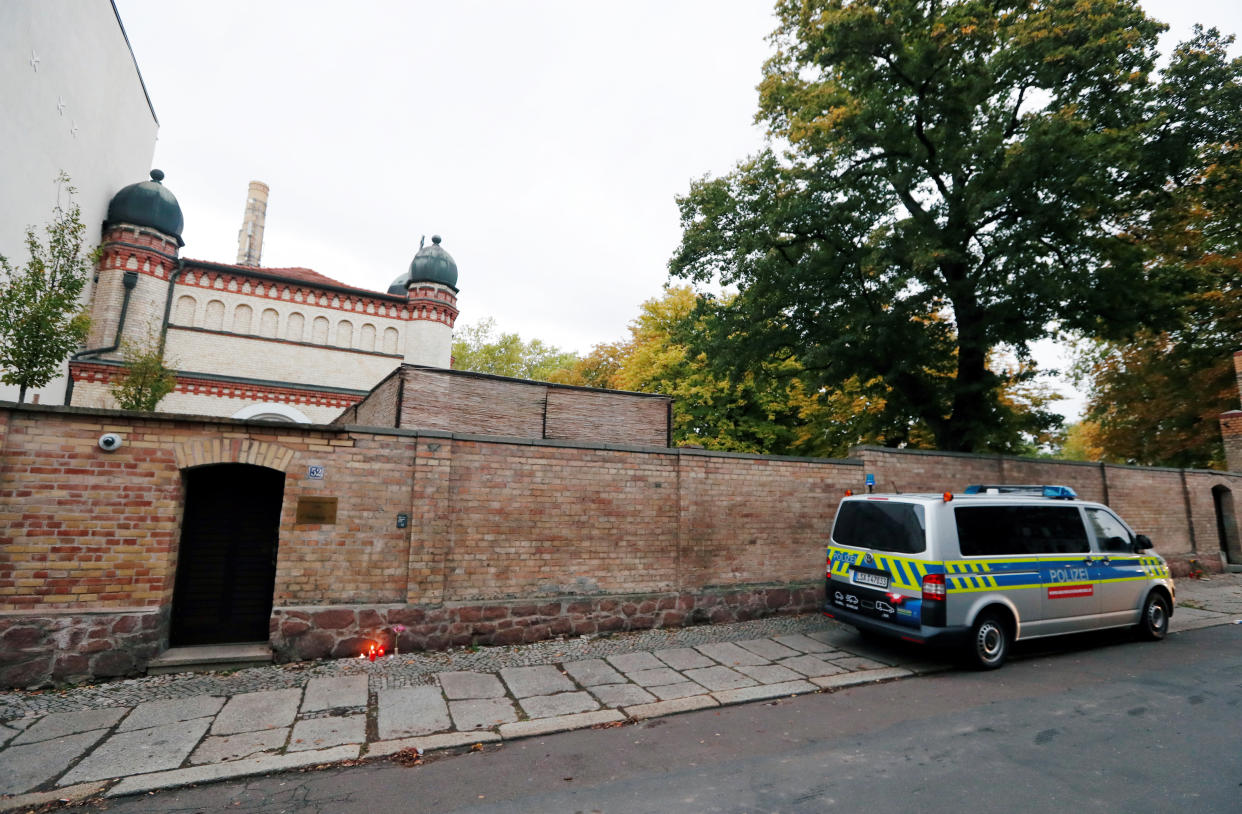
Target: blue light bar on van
{"points": [[1054, 492]]}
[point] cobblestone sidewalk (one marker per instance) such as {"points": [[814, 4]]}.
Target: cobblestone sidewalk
{"points": [[126, 737]]}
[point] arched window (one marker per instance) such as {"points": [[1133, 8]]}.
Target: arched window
{"points": [[241, 319], [391, 337], [268, 322], [294, 327], [366, 337], [319, 331], [345, 334], [186, 306], [272, 412], [215, 316]]}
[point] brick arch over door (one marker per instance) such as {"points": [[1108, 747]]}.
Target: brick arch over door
{"points": [[233, 451]]}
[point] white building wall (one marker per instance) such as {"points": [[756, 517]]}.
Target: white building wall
{"points": [[274, 361], [281, 340], [429, 343], [72, 100]]}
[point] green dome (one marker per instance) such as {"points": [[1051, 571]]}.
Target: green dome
{"points": [[148, 203], [433, 265]]}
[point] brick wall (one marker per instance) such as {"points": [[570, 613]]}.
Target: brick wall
{"points": [[81, 529], [379, 408], [483, 405], [546, 521], [1231, 434], [1207, 532], [601, 417], [506, 540], [746, 519], [463, 402]]}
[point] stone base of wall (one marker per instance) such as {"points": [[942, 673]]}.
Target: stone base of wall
{"points": [[45, 650], [346, 632], [1186, 565]]}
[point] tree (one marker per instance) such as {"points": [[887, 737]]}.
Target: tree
{"points": [[769, 410], [760, 412], [946, 180], [480, 349], [1154, 398], [41, 320], [146, 378]]}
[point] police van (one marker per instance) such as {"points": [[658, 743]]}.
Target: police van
{"points": [[983, 569]]}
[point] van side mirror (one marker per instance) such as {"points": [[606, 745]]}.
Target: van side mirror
{"points": [[1142, 542]]}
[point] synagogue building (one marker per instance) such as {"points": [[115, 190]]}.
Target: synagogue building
{"points": [[247, 341]]}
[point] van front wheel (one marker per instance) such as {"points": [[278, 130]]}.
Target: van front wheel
{"points": [[1154, 622], [989, 641]]}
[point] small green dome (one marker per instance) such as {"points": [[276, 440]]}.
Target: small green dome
{"points": [[400, 285], [433, 264], [148, 203]]}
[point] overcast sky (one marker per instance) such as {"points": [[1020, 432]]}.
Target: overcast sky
{"points": [[545, 141]]}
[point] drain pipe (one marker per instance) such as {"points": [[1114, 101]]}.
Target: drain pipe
{"points": [[130, 280], [172, 283]]}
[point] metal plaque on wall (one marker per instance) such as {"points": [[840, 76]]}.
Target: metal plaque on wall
{"points": [[320, 510]]}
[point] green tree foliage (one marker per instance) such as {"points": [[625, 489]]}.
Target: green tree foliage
{"points": [[146, 379], [765, 412], [946, 180], [771, 409], [479, 348], [1155, 398], [41, 320]]}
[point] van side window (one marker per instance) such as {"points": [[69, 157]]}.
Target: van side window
{"points": [[989, 531], [1109, 531]]}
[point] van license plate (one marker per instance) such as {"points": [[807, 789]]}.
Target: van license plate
{"points": [[868, 578]]}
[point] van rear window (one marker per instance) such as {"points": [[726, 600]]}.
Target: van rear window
{"points": [[986, 531], [881, 526]]}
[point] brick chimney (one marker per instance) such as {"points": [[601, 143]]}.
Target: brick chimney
{"points": [[250, 238], [1231, 425]]}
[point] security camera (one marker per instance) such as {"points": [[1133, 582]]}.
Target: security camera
{"points": [[109, 442]]}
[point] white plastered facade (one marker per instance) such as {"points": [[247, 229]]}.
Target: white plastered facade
{"points": [[73, 101], [253, 341]]}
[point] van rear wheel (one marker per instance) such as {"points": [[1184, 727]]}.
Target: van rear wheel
{"points": [[989, 641]]}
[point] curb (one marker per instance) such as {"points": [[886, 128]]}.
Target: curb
{"points": [[137, 784], [68, 794], [267, 764]]}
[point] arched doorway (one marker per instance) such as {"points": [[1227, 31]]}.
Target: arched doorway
{"points": [[1227, 524], [226, 564]]}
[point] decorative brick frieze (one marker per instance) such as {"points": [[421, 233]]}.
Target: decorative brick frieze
{"points": [[95, 373], [294, 288]]}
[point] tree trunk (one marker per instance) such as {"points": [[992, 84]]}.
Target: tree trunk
{"points": [[969, 423], [971, 420]]}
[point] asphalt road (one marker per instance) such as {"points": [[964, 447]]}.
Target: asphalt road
{"points": [[1088, 724]]}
